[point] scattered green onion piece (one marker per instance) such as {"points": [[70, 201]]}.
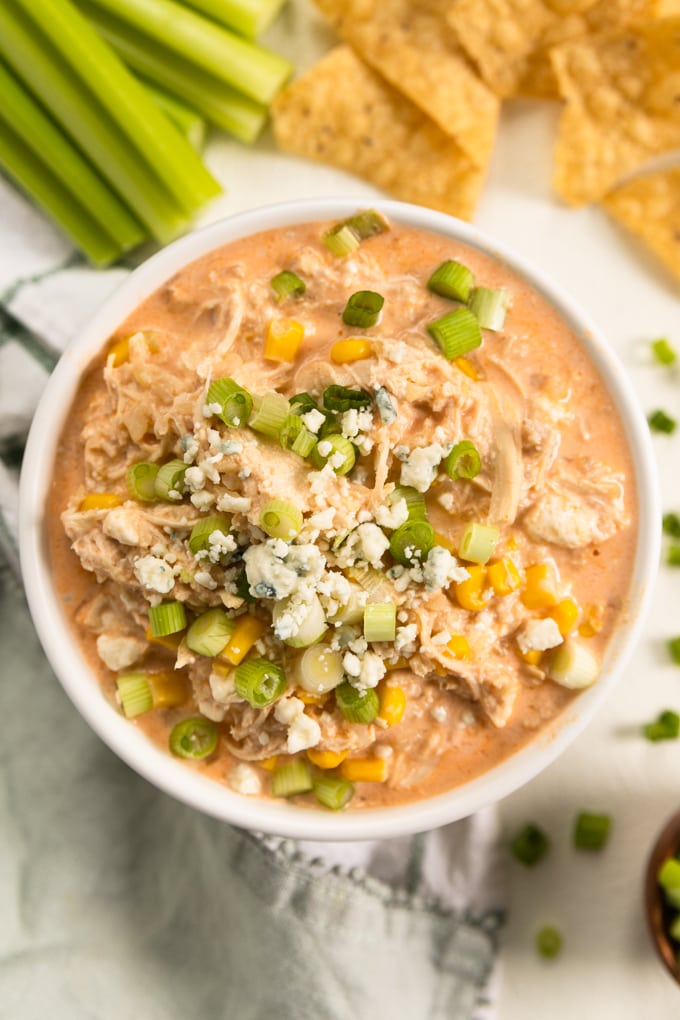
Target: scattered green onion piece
{"points": [[530, 845], [548, 942], [357, 706], [663, 351], [665, 727], [673, 555], [199, 539], [573, 665], [236, 403], [659, 421], [340, 446], [141, 481], [242, 585], [304, 443], [341, 398], [310, 628], [290, 430], [303, 402], [270, 415], [259, 681], [367, 224], [330, 427], [380, 621], [134, 693], [170, 479], [193, 738], [291, 778], [280, 519], [341, 240], [452, 280], [671, 525], [332, 791], [668, 875], [591, 831], [363, 309], [287, 284], [457, 333], [412, 541], [209, 632], [674, 649], [167, 618], [489, 306], [320, 669], [463, 461], [344, 238], [415, 501], [478, 542]]}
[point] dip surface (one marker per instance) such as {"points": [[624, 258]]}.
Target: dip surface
{"points": [[469, 672]]}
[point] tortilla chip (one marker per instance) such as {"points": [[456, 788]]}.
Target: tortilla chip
{"points": [[342, 113], [623, 107], [410, 43], [649, 207]]}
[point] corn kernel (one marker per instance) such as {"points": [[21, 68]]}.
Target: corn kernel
{"points": [[504, 576], [467, 368], [169, 641], [532, 657], [247, 631], [364, 770], [444, 542], [459, 646], [593, 621], [392, 704], [353, 349], [401, 663], [283, 340], [565, 615], [269, 764], [119, 352], [540, 587], [168, 688], [471, 592], [307, 698], [100, 501], [326, 759]]}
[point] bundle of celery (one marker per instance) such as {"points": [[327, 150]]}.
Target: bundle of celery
{"points": [[111, 156]]}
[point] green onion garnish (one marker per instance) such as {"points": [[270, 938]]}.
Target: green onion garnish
{"points": [[332, 791], [344, 238], [167, 618], [668, 875], [199, 539], [671, 525], [303, 402], [463, 461], [269, 414], [141, 481], [280, 519], [304, 443], [457, 333], [663, 351], [415, 501], [169, 482], [659, 421], [548, 942], [195, 738], [591, 831], [363, 309], [236, 403], [287, 284], [331, 426], [341, 454], [290, 430], [134, 694], [478, 542], [673, 555], [489, 306], [452, 280], [341, 398], [674, 649], [412, 541], [259, 681], [530, 845], [665, 727], [341, 240], [291, 778], [209, 632], [357, 706], [380, 621]]}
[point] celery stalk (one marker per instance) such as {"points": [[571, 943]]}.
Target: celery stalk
{"points": [[187, 121], [51, 147], [24, 167], [253, 70], [247, 17], [219, 103], [133, 111]]}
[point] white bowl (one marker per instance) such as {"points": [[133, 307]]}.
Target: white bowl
{"points": [[190, 786]]}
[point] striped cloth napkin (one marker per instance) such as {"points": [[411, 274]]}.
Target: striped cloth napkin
{"points": [[119, 901]]}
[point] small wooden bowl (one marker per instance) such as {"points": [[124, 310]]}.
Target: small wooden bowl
{"points": [[658, 913]]}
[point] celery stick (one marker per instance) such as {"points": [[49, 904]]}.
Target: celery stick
{"points": [[251, 69], [27, 120], [63, 95], [247, 17], [104, 75], [187, 121], [24, 167], [219, 103]]}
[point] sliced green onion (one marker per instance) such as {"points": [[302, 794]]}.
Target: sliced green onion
{"points": [[291, 778], [463, 461], [270, 415], [236, 403], [490, 307], [167, 618], [412, 541], [341, 240], [199, 539], [259, 681], [242, 585], [287, 284], [674, 649], [591, 831], [310, 628], [668, 875], [415, 501], [371, 580], [478, 542], [134, 693], [659, 421], [344, 238], [290, 430], [673, 555], [665, 727], [663, 351], [193, 738], [141, 481], [320, 669], [341, 454], [671, 525], [363, 309], [304, 443], [573, 665], [530, 845], [169, 483], [330, 427], [380, 621], [341, 398], [457, 333], [332, 791], [280, 519], [357, 706], [303, 402], [548, 942], [452, 280], [209, 632]]}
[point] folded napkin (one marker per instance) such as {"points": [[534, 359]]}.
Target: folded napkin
{"points": [[118, 900]]}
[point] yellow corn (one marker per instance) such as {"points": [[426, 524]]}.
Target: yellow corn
{"points": [[247, 631], [401, 663], [459, 646], [364, 770], [504, 576], [443, 541], [283, 340], [352, 349], [470, 593], [100, 501], [169, 641], [593, 621], [119, 352], [168, 688], [326, 759], [540, 587], [308, 698], [565, 615], [269, 764], [467, 368], [392, 704], [532, 657]]}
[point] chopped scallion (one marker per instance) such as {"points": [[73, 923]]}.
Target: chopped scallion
{"points": [[287, 284], [663, 351], [340, 454], [412, 541], [134, 694], [342, 398], [548, 942], [591, 831], [169, 483], [363, 309], [478, 542], [199, 539], [457, 333], [344, 238], [290, 430], [280, 519], [210, 632], [332, 791], [671, 525], [304, 443], [673, 555], [659, 421], [674, 649], [193, 738], [668, 875], [270, 415], [463, 461], [141, 481], [530, 845], [167, 618], [452, 280], [415, 501], [357, 706], [380, 621], [301, 403], [259, 681], [291, 778], [489, 306], [665, 727], [236, 403]]}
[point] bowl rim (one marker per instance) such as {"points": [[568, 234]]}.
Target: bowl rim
{"points": [[187, 784]]}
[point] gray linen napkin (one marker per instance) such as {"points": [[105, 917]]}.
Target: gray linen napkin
{"points": [[119, 901]]}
